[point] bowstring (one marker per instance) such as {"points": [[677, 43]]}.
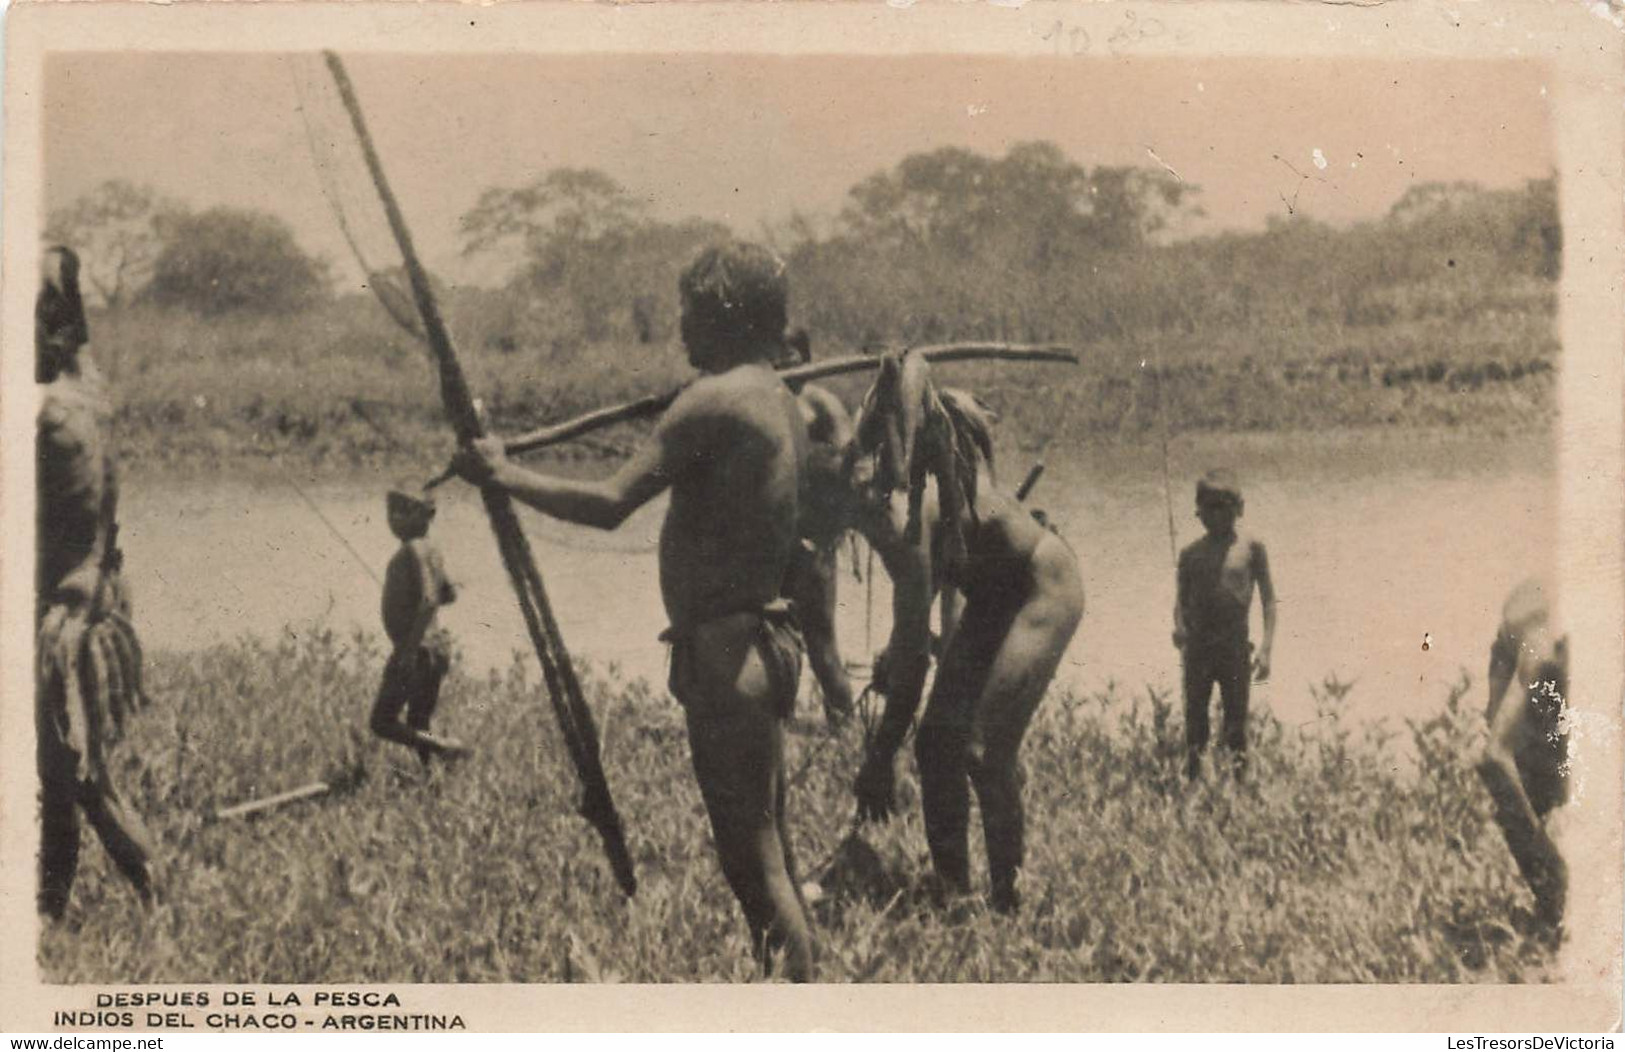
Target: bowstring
{"points": [[311, 504], [333, 193]]}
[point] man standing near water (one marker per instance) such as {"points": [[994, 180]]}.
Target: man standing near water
{"points": [[732, 448]]}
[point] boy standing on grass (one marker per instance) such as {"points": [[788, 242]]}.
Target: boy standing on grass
{"points": [[415, 588], [1216, 577]]}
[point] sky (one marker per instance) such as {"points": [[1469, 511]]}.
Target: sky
{"points": [[751, 139]]}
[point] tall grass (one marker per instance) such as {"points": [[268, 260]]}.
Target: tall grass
{"points": [[1335, 861]]}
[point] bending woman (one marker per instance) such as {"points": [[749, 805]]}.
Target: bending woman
{"points": [[1022, 602]]}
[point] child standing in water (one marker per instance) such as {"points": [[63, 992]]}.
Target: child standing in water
{"points": [[1216, 577], [415, 588]]}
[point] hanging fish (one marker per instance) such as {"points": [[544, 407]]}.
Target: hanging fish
{"points": [[915, 436]]}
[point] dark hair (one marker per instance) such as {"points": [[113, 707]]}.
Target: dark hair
{"points": [[798, 340], [1219, 485], [59, 312], [736, 295], [407, 497]]}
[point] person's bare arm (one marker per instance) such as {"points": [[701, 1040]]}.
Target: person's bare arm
{"points": [[1266, 598], [445, 589], [950, 605], [907, 658], [909, 647], [603, 504]]}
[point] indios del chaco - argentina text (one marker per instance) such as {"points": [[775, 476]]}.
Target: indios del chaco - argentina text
{"points": [[256, 1010]]}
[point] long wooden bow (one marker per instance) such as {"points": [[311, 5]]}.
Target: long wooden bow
{"points": [[564, 689]]}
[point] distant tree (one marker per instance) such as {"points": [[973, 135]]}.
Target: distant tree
{"points": [[1035, 196], [567, 207], [1426, 200], [953, 244], [118, 231], [581, 237], [1512, 229], [1539, 229], [230, 260], [1130, 205]]}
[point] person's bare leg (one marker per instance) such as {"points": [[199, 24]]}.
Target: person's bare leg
{"points": [[124, 836], [59, 846], [60, 766], [1235, 686], [780, 795], [393, 695], [1017, 680], [404, 688], [735, 726], [1198, 681], [940, 749], [425, 699], [1537, 856], [942, 745], [425, 695]]}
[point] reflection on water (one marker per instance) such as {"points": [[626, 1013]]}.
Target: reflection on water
{"points": [[1369, 558]]}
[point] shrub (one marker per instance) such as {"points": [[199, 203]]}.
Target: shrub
{"points": [[229, 260]]}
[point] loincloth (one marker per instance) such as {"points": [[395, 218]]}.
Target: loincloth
{"points": [[406, 669], [777, 640], [1216, 654]]}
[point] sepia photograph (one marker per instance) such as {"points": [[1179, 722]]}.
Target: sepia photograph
{"points": [[769, 494]]}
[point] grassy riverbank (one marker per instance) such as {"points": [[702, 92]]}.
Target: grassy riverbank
{"points": [[1338, 863]]}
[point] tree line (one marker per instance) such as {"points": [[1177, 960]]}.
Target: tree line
{"points": [[946, 244]]}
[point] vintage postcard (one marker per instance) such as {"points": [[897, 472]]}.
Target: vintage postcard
{"points": [[1039, 515]]}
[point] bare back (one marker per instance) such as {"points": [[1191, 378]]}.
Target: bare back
{"points": [[734, 447]]}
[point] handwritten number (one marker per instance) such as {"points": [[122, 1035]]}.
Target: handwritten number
{"points": [[1074, 40]]}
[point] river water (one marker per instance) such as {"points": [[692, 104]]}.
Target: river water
{"points": [[1376, 544]]}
